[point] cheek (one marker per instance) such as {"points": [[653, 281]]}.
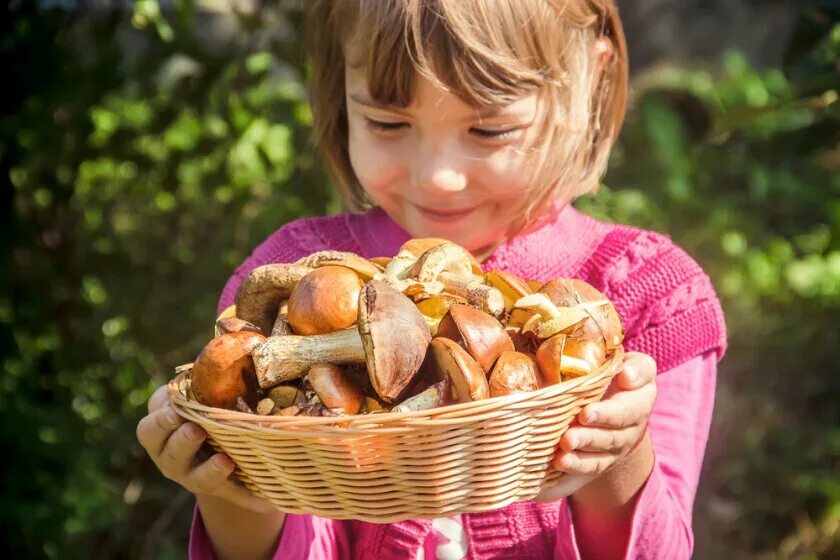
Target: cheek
{"points": [[377, 164]]}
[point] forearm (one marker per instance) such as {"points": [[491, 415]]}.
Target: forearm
{"points": [[238, 533], [603, 509]]}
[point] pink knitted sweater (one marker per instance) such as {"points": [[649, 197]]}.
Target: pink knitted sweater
{"points": [[669, 310]]}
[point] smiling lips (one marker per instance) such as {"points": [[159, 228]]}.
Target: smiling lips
{"points": [[443, 215]]}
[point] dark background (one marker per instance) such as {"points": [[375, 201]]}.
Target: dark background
{"points": [[146, 148]]}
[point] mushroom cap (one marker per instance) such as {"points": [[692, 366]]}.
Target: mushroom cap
{"points": [[514, 372], [448, 359], [604, 322], [335, 388], [260, 295], [325, 300], [224, 370], [395, 337], [420, 245], [482, 335]]}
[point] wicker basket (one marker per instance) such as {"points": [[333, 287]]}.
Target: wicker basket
{"points": [[388, 467]]}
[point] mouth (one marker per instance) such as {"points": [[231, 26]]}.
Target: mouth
{"points": [[444, 215]]}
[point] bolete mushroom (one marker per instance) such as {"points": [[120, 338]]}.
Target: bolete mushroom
{"points": [[604, 321], [511, 286], [562, 355], [260, 295], [363, 267], [391, 338], [437, 394], [548, 319], [480, 334], [514, 372], [449, 360], [334, 388], [324, 301], [224, 372]]}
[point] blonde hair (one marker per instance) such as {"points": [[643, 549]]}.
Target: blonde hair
{"points": [[487, 52]]}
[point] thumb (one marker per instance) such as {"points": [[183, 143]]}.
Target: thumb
{"points": [[639, 370]]}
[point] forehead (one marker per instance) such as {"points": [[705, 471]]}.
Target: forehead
{"points": [[432, 95]]}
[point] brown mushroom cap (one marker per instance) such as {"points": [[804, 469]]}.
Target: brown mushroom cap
{"points": [[360, 265], [480, 334], [224, 372], [514, 372], [335, 388], [395, 337], [549, 356], [448, 359], [260, 295], [325, 300], [604, 322]]}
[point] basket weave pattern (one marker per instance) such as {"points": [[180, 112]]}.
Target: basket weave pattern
{"points": [[388, 467]]}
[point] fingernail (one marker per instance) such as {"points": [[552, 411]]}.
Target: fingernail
{"points": [[591, 417], [632, 376], [571, 461], [573, 443], [172, 417], [219, 463]]}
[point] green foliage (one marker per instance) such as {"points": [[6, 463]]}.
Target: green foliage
{"points": [[144, 161]]}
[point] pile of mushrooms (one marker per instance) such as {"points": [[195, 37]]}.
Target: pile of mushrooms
{"points": [[336, 334]]}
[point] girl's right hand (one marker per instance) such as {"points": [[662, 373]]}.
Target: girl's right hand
{"points": [[174, 445]]}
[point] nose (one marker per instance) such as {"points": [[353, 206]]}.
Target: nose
{"points": [[440, 168]]}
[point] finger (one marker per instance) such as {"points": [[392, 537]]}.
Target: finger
{"points": [[159, 398], [566, 485], [153, 430], [622, 410], [180, 449], [578, 462], [639, 370], [209, 476], [599, 440]]}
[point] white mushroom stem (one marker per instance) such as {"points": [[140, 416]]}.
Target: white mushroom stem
{"points": [[484, 297], [574, 367], [281, 358], [548, 319], [399, 267]]}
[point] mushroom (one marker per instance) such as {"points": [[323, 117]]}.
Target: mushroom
{"points": [[562, 355], [549, 319], [324, 301], [478, 333], [391, 338], [434, 307], [604, 321], [514, 372], [259, 296], [437, 394], [484, 297], [511, 286], [449, 360], [364, 268], [223, 372], [443, 257], [334, 388], [281, 323], [285, 396], [234, 324]]}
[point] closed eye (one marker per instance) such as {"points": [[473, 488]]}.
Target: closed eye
{"points": [[383, 125]]}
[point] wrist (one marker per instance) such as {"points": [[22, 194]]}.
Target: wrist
{"points": [[615, 490]]}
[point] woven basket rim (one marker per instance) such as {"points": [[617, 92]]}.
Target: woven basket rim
{"points": [[458, 413]]}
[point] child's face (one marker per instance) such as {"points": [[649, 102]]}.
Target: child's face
{"points": [[442, 168]]}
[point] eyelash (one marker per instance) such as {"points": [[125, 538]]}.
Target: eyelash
{"points": [[393, 127]]}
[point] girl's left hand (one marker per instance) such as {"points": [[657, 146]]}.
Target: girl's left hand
{"points": [[605, 432]]}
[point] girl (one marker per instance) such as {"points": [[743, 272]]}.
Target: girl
{"points": [[480, 121]]}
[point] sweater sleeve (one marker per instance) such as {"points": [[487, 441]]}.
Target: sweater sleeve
{"points": [[304, 537], [679, 425]]}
